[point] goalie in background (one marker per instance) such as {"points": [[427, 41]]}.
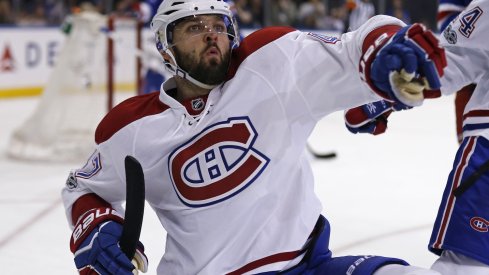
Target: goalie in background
{"points": [[80, 6], [222, 145], [74, 97], [460, 233]]}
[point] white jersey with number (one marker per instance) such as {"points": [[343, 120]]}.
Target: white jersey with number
{"points": [[227, 174], [466, 42]]}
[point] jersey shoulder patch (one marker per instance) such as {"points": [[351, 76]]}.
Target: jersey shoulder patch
{"points": [[127, 112], [254, 42], [324, 38]]}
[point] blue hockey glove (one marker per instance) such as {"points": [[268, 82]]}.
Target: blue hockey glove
{"points": [[95, 244], [370, 118], [406, 67]]}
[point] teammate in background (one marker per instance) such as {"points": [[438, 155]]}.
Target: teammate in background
{"points": [[448, 10], [460, 233], [235, 12], [152, 71], [222, 144]]}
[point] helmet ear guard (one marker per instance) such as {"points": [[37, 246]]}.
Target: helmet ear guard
{"points": [[159, 45]]}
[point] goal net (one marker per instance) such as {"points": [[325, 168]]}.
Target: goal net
{"points": [[98, 57]]}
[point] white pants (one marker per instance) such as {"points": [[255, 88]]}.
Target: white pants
{"points": [[449, 263], [395, 269]]}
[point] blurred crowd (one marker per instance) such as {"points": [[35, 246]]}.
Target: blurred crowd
{"points": [[52, 12], [335, 15]]}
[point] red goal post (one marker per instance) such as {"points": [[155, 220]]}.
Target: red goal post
{"points": [[111, 54]]}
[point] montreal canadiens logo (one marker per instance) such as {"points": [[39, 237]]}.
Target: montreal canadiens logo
{"points": [[479, 224], [217, 163]]}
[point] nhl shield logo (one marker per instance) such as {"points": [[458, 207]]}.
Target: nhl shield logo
{"points": [[197, 104], [450, 35], [71, 182]]}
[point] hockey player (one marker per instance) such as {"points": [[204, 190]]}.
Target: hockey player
{"points": [[222, 144], [448, 10], [461, 231], [154, 73]]}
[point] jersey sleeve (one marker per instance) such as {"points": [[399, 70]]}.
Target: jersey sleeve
{"points": [[101, 176], [104, 174], [325, 69], [466, 47]]}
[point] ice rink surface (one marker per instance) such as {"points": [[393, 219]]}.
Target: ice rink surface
{"points": [[380, 193]]}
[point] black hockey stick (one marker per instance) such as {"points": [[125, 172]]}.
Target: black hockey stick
{"points": [[317, 155], [467, 183], [133, 220]]}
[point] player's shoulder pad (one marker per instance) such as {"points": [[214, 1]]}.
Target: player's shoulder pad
{"points": [[252, 43], [127, 112]]}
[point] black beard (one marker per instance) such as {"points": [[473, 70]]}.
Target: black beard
{"points": [[212, 74]]}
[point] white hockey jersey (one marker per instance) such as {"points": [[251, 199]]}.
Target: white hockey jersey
{"points": [[467, 49], [227, 174]]}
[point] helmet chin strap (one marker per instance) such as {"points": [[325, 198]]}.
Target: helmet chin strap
{"points": [[175, 70]]}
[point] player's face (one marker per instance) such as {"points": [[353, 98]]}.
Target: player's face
{"points": [[202, 47]]}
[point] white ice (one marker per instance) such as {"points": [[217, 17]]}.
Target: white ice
{"points": [[380, 194]]}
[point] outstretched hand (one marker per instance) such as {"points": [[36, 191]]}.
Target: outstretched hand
{"points": [[408, 67]]}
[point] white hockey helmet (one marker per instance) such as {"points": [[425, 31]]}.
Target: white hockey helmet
{"points": [[170, 11]]}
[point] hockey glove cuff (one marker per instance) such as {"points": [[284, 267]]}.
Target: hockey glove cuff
{"points": [[95, 244], [370, 118]]}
